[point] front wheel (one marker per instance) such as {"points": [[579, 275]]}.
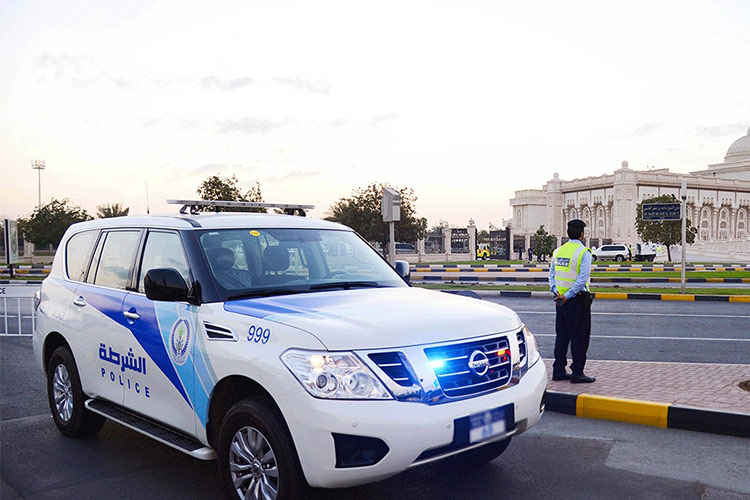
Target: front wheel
{"points": [[593, 258], [479, 456], [66, 398], [256, 454]]}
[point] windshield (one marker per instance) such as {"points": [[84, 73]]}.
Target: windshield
{"points": [[262, 262]]}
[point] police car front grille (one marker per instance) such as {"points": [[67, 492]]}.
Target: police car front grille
{"points": [[392, 363], [521, 345], [457, 379]]}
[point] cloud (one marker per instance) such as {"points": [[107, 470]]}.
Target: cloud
{"points": [[721, 130], [383, 118], [224, 84], [81, 70], [249, 125], [311, 86], [298, 174]]}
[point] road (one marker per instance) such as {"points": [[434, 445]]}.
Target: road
{"points": [[641, 330], [563, 458]]}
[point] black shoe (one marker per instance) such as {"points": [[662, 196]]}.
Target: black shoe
{"points": [[581, 379], [561, 376]]}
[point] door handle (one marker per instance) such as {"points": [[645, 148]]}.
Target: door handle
{"points": [[131, 315], [79, 302]]}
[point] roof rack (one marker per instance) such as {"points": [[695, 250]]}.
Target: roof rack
{"points": [[193, 206]]}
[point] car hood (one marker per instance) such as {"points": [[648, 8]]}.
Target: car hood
{"points": [[381, 317]]}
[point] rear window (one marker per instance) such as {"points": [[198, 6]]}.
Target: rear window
{"points": [[78, 253]]}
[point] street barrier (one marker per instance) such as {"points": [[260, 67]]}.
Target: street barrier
{"points": [[18, 315]]}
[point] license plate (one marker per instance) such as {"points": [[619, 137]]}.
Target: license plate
{"points": [[487, 424]]}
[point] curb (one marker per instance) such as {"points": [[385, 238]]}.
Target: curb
{"points": [[662, 415], [594, 279], [608, 296]]}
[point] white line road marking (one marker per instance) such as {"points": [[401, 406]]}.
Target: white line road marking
{"points": [[638, 337], [647, 314]]}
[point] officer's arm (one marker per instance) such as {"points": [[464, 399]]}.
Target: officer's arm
{"points": [[583, 276], [552, 286]]}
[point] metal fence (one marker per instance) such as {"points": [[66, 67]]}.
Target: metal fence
{"points": [[17, 313]]}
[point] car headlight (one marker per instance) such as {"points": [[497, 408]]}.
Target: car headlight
{"points": [[532, 348], [334, 375]]}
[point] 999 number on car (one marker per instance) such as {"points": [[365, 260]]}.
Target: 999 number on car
{"points": [[258, 334]]}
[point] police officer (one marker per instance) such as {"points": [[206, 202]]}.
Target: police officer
{"points": [[569, 274]]}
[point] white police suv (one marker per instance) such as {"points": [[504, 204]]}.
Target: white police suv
{"points": [[284, 347]]}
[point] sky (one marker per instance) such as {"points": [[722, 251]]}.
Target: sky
{"points": [[464, 102]]}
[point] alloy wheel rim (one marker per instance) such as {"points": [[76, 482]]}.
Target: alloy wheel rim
{"points": [[62, 392], [252, 465]]}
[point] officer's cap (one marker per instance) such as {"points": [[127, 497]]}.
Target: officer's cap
{"points": [[576, 224]]}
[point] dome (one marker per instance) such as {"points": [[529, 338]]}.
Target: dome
{"points": [[740, 149]]}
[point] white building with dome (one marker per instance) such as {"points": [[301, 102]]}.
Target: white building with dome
{"points": [[718, 201]]}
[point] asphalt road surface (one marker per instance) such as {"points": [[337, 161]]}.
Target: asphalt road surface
{"points": [[644, 330], [562, 458]]}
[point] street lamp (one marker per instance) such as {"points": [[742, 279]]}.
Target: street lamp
{"points": [[38, 165]]}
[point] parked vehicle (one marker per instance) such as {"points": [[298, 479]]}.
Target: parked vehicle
{"points": [[645, 252], [483, 251], [619, 253], [286, 348]]}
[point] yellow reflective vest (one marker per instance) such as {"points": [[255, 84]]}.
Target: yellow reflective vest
{"points": [[567, 261]]}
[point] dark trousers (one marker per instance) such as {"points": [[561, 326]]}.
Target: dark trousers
{"points": [[573, 327]]}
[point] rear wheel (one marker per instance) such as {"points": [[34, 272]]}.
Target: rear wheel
{"points": [[256, 454], [66, 398], [593, 258], [620, 258]]}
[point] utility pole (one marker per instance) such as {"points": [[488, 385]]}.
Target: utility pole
{"points": [[38, 165], [683, 195]]}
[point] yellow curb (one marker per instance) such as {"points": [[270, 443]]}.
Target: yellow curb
{"points": [[678, 297], [536, 270], [739, 298], [451, 270], [674, 280], [480, 270], [508, 270], [745, 280], [720, 268], [714, 280], [418, 270], [610, 295], [622, 410]]}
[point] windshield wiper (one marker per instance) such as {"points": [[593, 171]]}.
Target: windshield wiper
{"points": [[265, 292], [346, 285]]}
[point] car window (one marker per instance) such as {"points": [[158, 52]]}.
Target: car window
{"points": [[163, 249], [116, 260], [78, 252], [261, 259]]}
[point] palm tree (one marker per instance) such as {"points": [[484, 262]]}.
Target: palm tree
{"points": [[111, 210]]}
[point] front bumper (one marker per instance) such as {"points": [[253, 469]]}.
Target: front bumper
{"points": [[409, 429]]}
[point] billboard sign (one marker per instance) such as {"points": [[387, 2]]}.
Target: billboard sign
{"points": [[11, 241]]}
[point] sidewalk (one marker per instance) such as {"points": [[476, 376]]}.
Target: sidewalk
{"points": [[713, 386], [697, 396]]}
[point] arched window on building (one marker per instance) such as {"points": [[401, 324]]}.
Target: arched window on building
{"points": [[600, 227], [724, 224], [586, 217], [742, 223], [705, 227], [573, 214]]}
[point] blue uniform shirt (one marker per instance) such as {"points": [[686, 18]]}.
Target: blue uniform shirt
{"points": [[581, 279]]}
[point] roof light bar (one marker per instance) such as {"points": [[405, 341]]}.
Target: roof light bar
{"points": [[193, 206]]}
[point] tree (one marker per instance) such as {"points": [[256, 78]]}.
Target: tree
{"points": [[665, 233], [228, 189], [545, 242], [49, 222], [111, 210], [361, 212], [483, 236], [440, 226]]}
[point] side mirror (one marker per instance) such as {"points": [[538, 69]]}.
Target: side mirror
{"points": [[165, 284], [402, 268]]}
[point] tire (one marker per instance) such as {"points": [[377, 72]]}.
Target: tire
{"points": [[66, 397], [619, 258], [593, 258], [651, 258], [243, 424], [480, 456]]}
